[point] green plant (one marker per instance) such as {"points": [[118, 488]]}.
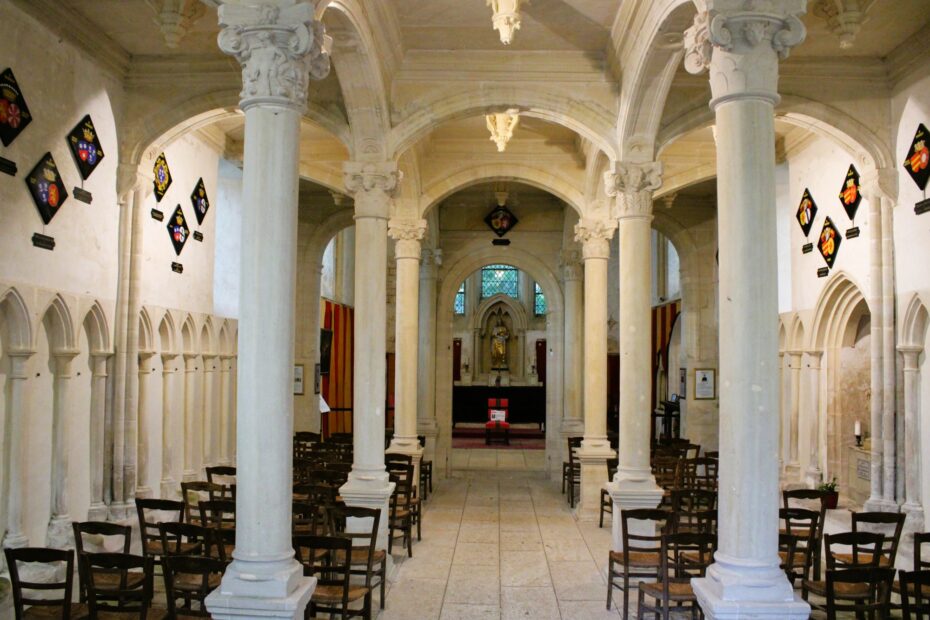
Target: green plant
{"points": [[828, 486]]}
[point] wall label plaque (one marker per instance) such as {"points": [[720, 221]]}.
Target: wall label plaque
{"points": [[807, 248], [823, 272], [43, 241], [177, 267], [852, 233], [198, 236], [922, 207], [83, 195], [157, 215], [7, 166], [863, 469]]}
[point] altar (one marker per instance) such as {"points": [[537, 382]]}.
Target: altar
{"points": [[527, 403]]}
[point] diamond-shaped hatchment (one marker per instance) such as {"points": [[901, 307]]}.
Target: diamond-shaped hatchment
{"points": [[829, 243], [851, 192], [85, 146], [178, 230], [807, 211], [162, 177], [14, 114], [917, 163], [200, 202], [47, 189], [501, 220]]}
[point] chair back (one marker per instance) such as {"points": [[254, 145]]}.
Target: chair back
{"points": [[699, 473], [126, 596], [921, 539], [644, 543], [152, 512], [666, 470], [802, 498], [801, 525], [220, 516], [363, 538], [866, 549], [328, 558], [574, 444], [184, 539], [684, 556], [400, 498], [192, 493], [99, 530], [309, 518], [691, 507], [221, 474], [888, 524], [915, 594], [874, 603], [22, 590], [192, 578]]}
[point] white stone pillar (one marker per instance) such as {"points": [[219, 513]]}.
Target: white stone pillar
{"points": [[279, 45], [142, 453], [190, 413], [59, 529], [407, 235], [15, 535], [426, 367], [594, 235], [372, 185], [889, 432], [792, 469], [573, 370], [634, 486], [98, 403], [913, 507], [172, 432], [741, 45], [225, 411], [209, 430], [813, 475]]}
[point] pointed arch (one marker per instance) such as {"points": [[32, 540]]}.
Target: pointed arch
{"points": [[98, 332], [914, 324], [189, 335], [19, 326], [167, 334], [838, 301], [60, 324], [224, 345], [146, 335], [207, 341]]}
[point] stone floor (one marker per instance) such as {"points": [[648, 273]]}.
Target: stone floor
{"points": [[500, 460]]}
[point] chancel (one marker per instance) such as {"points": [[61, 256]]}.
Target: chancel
{"points": [[464, 308]]}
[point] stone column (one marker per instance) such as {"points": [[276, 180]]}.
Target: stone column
{"points": [[426, 367], [792, 469], [98, 403], [190, 412], [209, 429], [142, 454], [741, 44], [573, 370], [59, 529], [913, 505], [889, 432], [634, 486], [372, 185], [279, 45], [171, 432], [15, 536], [594, 235], [814, 475], [407, 235], [225, 411]]}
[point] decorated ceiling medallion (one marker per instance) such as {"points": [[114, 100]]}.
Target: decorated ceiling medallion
{"points": [[47, 189], [502, 125], [200, 201], [14, 114], [85, 146], [162, 177], [501, 220], [506, 18], [829, 244], [807, 211], [917, 163], [178, 230], [851, 192]]}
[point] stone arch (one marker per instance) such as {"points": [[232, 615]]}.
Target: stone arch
{"points": [[95, 324], [167, 334], [914, 325], [224, 343], [838, 300], [586, 119], [207, 341], [796, 334], [60, 326], [481, 312], [19, 327], [189, 335], [564, 189], [782, 335], [146, 334]]}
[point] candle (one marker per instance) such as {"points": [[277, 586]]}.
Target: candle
{"points": [[858, 430]]}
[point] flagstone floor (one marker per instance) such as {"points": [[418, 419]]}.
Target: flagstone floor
{"points": [[465, 459]]}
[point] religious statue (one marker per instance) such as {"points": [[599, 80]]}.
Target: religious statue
{"points": [[499, 336]]}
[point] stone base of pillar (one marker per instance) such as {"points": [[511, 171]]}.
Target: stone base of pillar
{"points": [[122, 511], [593, 478], [15, 541], [572, 427], [370, 491], [879, 505], [189, 476], [169, 488], [914, 522], [792, 472], [733, 590], [97, 512], [409, 447], [144, 492], [628, 495], [813, 477], [242, 597], [60, 533]]}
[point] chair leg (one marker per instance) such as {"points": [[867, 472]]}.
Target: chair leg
{"points": [[390, 539], [610, 581], [419, 521], [383, 577], [626, 594]]}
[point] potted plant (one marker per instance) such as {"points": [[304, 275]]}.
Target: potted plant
{"points": [[831, 495]]}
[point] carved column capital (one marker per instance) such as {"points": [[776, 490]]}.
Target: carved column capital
{"points": [[407, 234], [595, 235], [633, 185], [279, 47], [880, 183], [572, 266], [741, 42], [372, 185]]}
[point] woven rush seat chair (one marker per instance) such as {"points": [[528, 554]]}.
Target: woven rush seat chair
{"points": [[673, 592], [641, 554], [96, 533], [865, 553], [35, 599]]}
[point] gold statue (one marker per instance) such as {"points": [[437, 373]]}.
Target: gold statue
{"points": [[499, 336]]}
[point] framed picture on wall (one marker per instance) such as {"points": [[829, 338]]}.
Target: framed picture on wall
{"points": [[316, 379], [298, 379], [326, 349], [705, 386]]}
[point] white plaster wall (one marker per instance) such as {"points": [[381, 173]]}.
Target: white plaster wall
{"points": [[227, 211], [328, 274], [189, 158], [785, 238]]}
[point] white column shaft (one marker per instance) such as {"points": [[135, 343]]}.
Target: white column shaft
{"points": [[190, 413], [913, 505], [98, 402], [142, 453], [889, 433], [595, 347], [405, 348], [170, 431], [60, 435], [574, 354], [15, 535], [794, 397]]}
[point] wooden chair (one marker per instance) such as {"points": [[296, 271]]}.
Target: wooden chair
{"points": [[333, 592], [400, 519], [865, 553], [192, 493], [683, 557], [802, 526], [497, 428], [920, 564], [131, 596], [216, 474], [28, 607], [366, 559], [149, 511], [699, 473], [607, 503], [915, 594], [99, 530], [692, 508], [220, 516], [889, 524], [641, 555], [571, 470], [186, 539], [403, 464], [802, 498], [874, 583], [426, 472], [309, 519], [190, 578]]}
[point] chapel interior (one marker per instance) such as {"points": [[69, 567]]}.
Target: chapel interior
{"points": [[453, 309]]}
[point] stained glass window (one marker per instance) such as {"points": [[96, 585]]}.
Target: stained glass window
{"points": [[459, 305], [499, 279], [539, 301]]}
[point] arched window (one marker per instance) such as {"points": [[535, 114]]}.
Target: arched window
{"points": [[499, 279], [458, 307], [539, 301]]}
